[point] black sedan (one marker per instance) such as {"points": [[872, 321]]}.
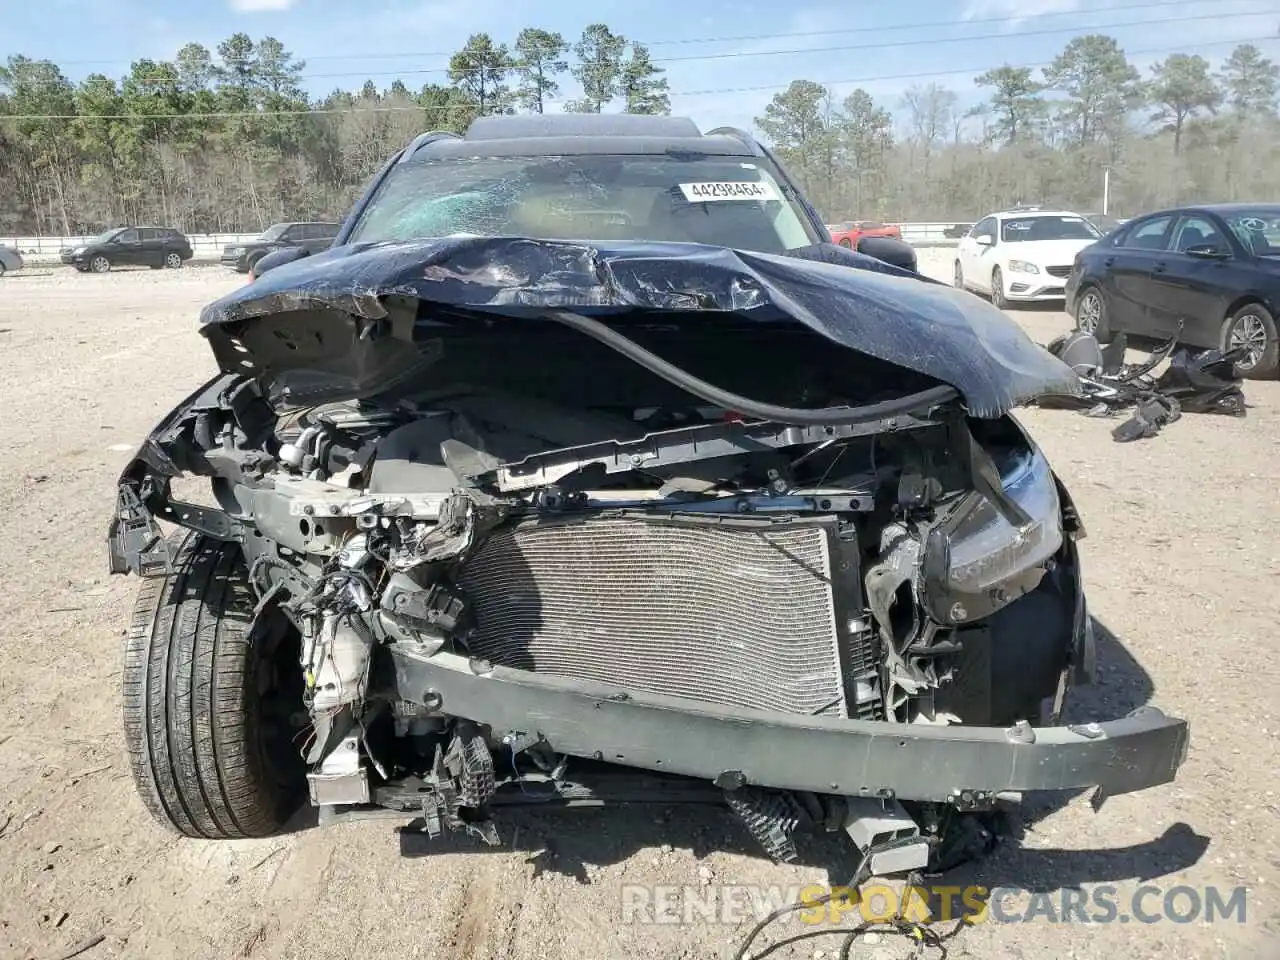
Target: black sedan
{"points": [[1212, 271]]}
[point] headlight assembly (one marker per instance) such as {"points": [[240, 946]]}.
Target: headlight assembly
{"points": [[1022, 266], [977, 561]]}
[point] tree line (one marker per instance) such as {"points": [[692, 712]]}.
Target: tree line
{"points": [[227, 140], [1185, 133]]}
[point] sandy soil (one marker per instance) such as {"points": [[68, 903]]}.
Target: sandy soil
{"points": [[1183, 573]]}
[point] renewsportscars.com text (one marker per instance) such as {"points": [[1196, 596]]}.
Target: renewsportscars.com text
{"points": [[1103, 904]]}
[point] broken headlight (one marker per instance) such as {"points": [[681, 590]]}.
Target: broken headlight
{"points": [[978, 559]]}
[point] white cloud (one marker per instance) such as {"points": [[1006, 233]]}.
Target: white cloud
{"points": [[1018, 12], [261, 6]]}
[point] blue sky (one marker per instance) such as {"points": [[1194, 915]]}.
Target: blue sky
{"points": [[724, 58]]}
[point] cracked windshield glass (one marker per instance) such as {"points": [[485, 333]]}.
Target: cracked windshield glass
{"points": [[717, 201]]}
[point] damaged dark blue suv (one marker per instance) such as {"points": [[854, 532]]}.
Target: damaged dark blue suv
{"points": [[582, 468]]}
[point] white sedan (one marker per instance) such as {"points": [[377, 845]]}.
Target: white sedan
{"points": [[1022, 256]]}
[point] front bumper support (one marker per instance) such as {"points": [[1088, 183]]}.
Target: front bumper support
{"points": [[964, 766]]}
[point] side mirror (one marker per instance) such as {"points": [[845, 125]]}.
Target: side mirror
{"points": [[278, 258], [1206, 251], [985, 239], [890, 250]]}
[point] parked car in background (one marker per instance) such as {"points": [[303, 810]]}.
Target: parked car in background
{"points": [[847, 234], [10, 259], [1208, 274], [1022, 255], [154, 247], [1104, 222], [312, 236]]}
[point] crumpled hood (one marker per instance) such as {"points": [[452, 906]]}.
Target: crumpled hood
{"points": [[852, 300]]}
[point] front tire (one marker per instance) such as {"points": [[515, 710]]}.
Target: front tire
{"points": [[99, 264], [1091, 314], [173, 261], [998, 298], [1252, 326], [212, 699]]}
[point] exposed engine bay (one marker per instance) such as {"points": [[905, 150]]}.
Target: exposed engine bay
{"points": [[633, 562]]}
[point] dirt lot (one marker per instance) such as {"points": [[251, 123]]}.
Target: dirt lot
{"points": [[1184, 574]]}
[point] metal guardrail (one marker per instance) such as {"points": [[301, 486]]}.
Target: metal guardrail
{"points": [[208, 246], [204, 246]]}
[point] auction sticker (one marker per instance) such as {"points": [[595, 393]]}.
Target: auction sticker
{"points": [[728, 190]]}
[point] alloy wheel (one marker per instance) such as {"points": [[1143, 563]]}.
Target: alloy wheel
{"points": [[1088, 313], [100, 264], [173, 261], [1250, 333]]}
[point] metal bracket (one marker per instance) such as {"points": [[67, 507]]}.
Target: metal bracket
{"points": [[135, 543]]}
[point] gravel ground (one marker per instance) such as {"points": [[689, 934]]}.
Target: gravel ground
{"points": [[1183, 573]]}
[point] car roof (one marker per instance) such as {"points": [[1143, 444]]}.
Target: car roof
{"points": [[576, 134], [1221, 209], [1031, 213]]}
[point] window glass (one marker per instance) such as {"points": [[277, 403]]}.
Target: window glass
{"points": [[1257, 229], [1052, 227], [1198, 232], [1152, 235], [720, 201]]}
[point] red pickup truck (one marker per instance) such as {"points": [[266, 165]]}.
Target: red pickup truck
{"points": [[847, 234]]}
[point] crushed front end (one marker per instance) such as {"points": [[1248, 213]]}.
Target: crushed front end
{"points": [[582, 568]]}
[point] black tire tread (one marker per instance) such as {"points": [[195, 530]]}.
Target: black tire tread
{"points": [[188, 712]]}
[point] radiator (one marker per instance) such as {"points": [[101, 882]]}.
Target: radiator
{"points": [[739, 614]]}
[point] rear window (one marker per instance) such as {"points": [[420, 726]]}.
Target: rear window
{"points": [[721, 201]]}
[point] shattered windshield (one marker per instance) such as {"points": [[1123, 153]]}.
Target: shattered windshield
{"points": [[1257, 229], [1029, 229], [721, 201]]}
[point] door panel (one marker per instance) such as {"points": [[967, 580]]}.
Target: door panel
{"points": [[978, 259], [1131, 272], [1193, 290], [127, 249], [150, 247]]}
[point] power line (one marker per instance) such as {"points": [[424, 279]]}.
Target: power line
{"points": [[464, 108], [741, 38], [847, 48]]}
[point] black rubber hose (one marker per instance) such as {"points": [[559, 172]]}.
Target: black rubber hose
{"points": [[910, 404]]}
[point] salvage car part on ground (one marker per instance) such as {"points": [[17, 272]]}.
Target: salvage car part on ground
{"points": [[499, 520], [1204, 381]]}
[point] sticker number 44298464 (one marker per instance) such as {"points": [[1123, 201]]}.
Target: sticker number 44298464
{"points": [[728, 190]]}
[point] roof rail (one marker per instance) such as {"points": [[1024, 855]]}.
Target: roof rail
{"points": [[422, 139], [738, 134]]}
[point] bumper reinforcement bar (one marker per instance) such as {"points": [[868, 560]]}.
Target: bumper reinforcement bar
{"points": [[961, 765]]}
